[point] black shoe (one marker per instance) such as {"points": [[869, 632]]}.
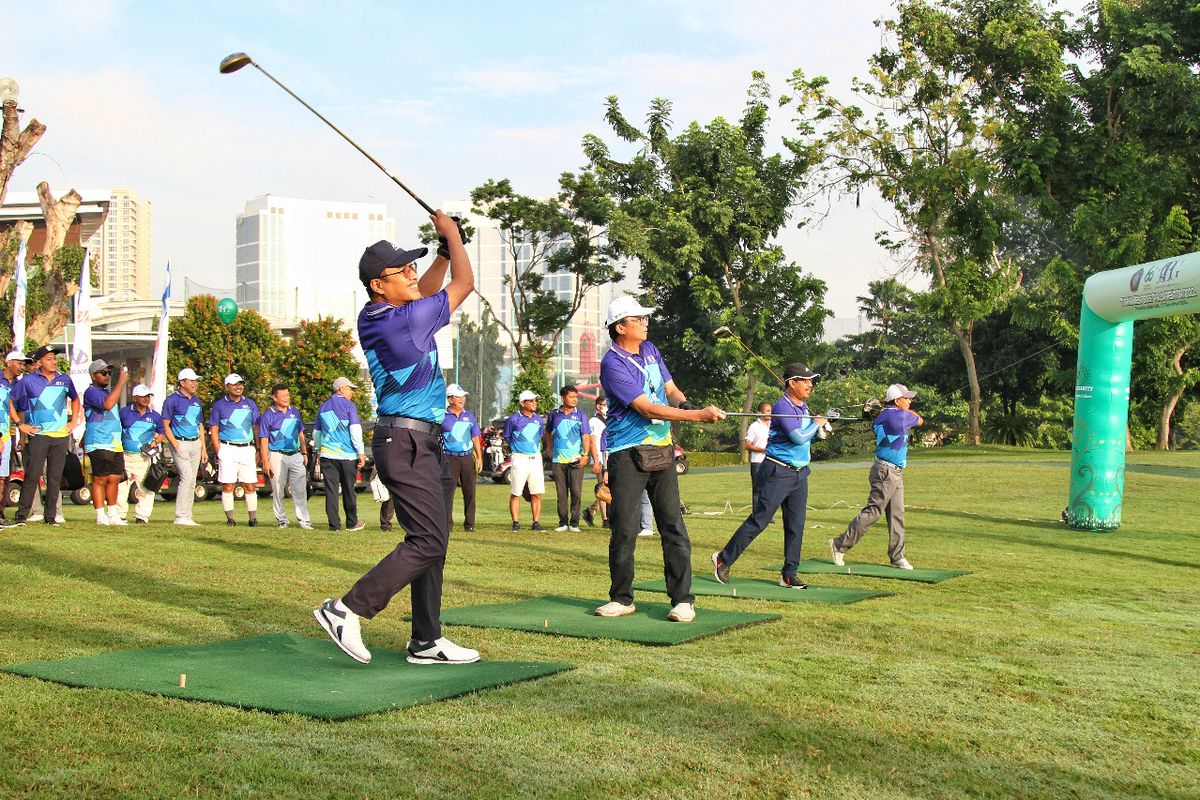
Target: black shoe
{"points": [[720, 569], [537, 526], [469, 528], [516, 527], [252, 523], [139, 521], [230, 523], [385, 526], [792, 582], [589, 517], [335, 528]]}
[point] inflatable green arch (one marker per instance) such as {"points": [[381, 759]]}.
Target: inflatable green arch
{"points": [[1112, 300]]}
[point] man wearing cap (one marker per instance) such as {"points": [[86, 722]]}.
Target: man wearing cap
{"points": [[284, 455], [887, 478], [396, 330], [231, 426], [782, 478], [102, 440], [643, 401], [338, 439], [141, 426], [569, 442], [183, 423], [47, 406], [523, 430], [463, 443], [14, 367]]}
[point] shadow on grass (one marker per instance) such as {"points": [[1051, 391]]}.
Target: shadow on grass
{"points": [[287, 554], [1061, 543], [540, 549]]}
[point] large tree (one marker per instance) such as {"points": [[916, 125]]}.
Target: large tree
{"points": [[479, 357], [321, 351]]}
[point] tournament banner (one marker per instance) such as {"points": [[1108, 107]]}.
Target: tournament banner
{"points": [[19, 301], [158, 370], [81, 346]]}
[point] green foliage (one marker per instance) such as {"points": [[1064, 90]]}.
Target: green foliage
{"points": [[479, 358], [531, 374], [320, 351]]}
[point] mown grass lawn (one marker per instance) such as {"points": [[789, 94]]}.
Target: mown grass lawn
{"points": [[1066, 665]]}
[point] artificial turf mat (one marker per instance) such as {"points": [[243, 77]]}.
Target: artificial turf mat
{"points": [[754, 589], [284, 672], [823, 566], [571, 616]]}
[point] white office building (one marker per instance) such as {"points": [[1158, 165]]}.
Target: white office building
{"points": [[121, 248]]}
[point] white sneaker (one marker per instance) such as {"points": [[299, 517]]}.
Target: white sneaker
{"points": [[343, 628], [440, 651], [358, 527], [191, 523], [60, 519], [682, 612], [115, 520], [615, 609], [834, 555], [645, 532], [560, 529], [101, 518], [573, 528], [35, 518], [306, 525], [902, 564]]}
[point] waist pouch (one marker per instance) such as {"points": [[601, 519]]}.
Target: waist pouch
{"points": [[653, 457]]}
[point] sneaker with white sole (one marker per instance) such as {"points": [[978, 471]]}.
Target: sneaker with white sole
{"points": [[682, 612], [343, 628], [114, 520], [644, 532], [574, 529], [440, 651], [101, 518], [191, 523], [902, 564], [615, 609], [560, 529], [720, 568], [358, 526], [792, 582], [835, 555], [306, 525], [35, 518]]}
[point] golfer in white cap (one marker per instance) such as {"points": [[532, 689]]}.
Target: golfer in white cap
{"points": [[463, 442], [338, 439], [523, 431], [141, 426], [183, 422], [231, 425]]}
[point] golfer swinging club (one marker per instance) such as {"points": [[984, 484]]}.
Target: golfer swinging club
{"points": [[396, 329]]}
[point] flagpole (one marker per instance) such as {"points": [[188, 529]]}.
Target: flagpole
{"points": [[158, 370], [19, 300]]}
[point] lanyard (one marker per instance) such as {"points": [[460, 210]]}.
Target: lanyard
{"points": [[629, 357]]}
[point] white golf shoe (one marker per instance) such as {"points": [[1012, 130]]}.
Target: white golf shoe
{"points": [[343, 628], [440, 651], [682, 612], [836, 557], [615, 609]]}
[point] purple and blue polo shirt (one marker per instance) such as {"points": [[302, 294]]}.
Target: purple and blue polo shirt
{"points": [[401, 354], [234, 421], [281, 429], [138, 429], [891, 434], [524, 434], [789, 438], [625, 376], [184, 414], [103, 431], [334, 418], [567, 429], [458, 433], [44, 401]]}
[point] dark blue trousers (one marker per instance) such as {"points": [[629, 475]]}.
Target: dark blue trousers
{"points": [[778, 487]]}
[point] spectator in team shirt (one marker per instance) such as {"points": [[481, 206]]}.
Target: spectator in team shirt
{"points": [[183, 422], [523, 431], [569, 441], [141, 425], [47, 407], [338, 438], [284, 455], [231, 426], [102, 440], [463, 443]]}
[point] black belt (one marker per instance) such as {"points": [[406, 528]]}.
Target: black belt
{"points": [[890, 464], [185, 439], [425, 426], [239, 444], [785, 465], [286, 452]]}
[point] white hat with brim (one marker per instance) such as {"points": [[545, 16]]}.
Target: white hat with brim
{"points": [[896, 391], [188, 374], [625, 306], [233, 378], [454, 390], [528, 394], [142, 390]]}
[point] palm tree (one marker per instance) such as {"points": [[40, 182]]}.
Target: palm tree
{"points": [[887, 299]]}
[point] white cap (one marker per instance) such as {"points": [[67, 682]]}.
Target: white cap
{"points": [[454, 390], [188, 374], [233, 378], [898, 390], [142, 390], [15, 355], [625, 306], [342, 383], [528, 394]]}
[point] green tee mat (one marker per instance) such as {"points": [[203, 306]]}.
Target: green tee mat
{"points": [[823, 566], [572, 616], [284, 672], [753, 589]]}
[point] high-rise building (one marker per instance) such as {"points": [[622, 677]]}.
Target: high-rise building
{"points": [[121, 247]]}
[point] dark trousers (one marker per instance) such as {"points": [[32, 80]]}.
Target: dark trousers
{"points": [[777, 487], [627, 482], [754, 477], [44, 455], [568, 479], [340, 475], [413, 467], [462, 472]]}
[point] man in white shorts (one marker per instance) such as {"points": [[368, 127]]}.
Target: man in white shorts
{"points": [[523, 431], [231, 426]]}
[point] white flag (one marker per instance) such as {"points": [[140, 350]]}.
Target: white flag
{"points": [[158, 371], [19, 302], [81, 347]]}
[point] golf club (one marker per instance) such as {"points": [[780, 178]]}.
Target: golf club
{"points": [[234, 62], [724, 332], [829, 415]]}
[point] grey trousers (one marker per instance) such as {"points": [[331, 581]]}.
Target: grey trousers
{"points": [[187, 462], [289, 472], [886, 498]]}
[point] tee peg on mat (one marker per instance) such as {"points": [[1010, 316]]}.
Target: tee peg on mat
{"points": [[183, 680]]}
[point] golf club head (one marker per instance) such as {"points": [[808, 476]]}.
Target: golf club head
{"points": [[722, 332], [234, 62]]}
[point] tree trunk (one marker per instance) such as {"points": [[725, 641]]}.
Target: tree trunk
{"points": [[747, 406], [963, 334], [15, 147], [1168, 409], [59, 215]]}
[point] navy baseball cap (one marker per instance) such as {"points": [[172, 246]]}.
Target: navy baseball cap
{"points": [[381, 255]]}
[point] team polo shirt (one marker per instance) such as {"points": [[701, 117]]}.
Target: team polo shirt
{"points": [[234, 421], [44, 402], [625, 376], [6, 388], [281, 429], [524, 434], [103, 431], [184, 414], [891, 434], [137, 430], [458, 433], [401, 354], [334, 418], [566, 434], [790, 438]]}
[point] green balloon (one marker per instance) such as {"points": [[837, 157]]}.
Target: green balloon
{"points": [[226, 310]]}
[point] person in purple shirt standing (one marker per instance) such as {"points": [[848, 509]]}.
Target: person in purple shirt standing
{"points": [[141, 425], [569, 442], [183, 422], [284, 455], [102, 439], [231, 425], [463, 444], [338, 440], [886, 477], [47, 407], [396, 330], [523, 430]]}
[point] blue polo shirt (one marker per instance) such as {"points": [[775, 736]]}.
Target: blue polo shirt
{"points": [[138, 429], [334, 418], [459, 432], [524, 434], [891, 434], [401, 354], [103, 431], [6, 388], [789, 439], [566, 434], [281, 429], [234, 421], [44, 401], [184, 414], [625, 376]]}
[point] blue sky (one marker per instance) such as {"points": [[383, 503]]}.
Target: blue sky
{"points": [[444, 95]]}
